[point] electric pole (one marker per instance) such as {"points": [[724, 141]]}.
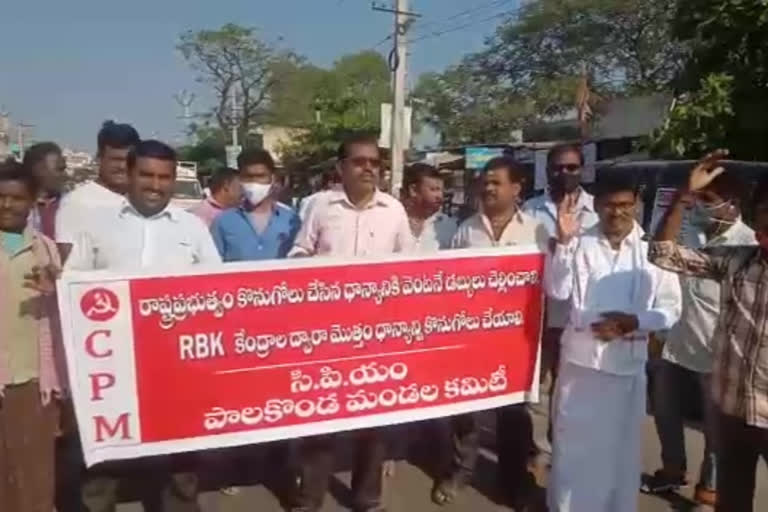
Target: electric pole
{"points": [[398, 65], [184, 99], [233, 104], [20, 134]]}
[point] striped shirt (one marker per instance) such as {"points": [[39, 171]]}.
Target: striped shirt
{"points": [[740, 372]]}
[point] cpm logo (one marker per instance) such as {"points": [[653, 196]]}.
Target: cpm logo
{"points": [[99, 304]]}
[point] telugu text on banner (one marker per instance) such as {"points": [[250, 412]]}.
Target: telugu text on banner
{"points": [[247, 353]]}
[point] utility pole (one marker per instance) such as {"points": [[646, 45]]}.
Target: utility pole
{"points": [[184, 99], [233, 150], [233, 104], [20, 134], [398, 65]]}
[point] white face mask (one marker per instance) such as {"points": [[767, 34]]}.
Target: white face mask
{"points": [[255, 193]]}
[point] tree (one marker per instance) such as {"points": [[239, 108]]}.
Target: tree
{"points": [[534, 65], [234, 59], [728, 43], [699, 120], [342, 100]]}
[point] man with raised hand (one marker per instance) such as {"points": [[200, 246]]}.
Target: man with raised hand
{"points": [[617, 297], [739, 378]]}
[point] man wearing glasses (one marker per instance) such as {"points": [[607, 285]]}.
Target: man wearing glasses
{"points": [[565, 164], [356, 221]]}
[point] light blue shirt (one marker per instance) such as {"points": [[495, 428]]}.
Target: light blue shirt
{"points": [[544, 209], [237, 239], [690, 342]]}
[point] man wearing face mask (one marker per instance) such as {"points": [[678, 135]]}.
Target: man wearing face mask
{"points": [[686, 361], [740, 339], [261, 228], [565, 164]]}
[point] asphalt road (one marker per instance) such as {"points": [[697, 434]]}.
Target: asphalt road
{"points": [[408, 489]]}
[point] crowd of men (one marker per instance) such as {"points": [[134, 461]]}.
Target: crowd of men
{"points": [[608, 289]]}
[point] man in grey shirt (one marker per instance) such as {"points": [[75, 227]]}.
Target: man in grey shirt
{"points": [[686, 361]]}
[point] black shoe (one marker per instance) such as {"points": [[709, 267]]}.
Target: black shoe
{"points": [[662, 482]]}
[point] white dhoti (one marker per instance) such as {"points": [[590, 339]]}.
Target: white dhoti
{"points": [[596, 460]]}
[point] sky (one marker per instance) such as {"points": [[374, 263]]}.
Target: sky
{"points": [[66, 66]]}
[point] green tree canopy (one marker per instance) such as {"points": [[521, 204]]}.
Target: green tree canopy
{"points": [[532, 67], [728, 43], [235, 58]]}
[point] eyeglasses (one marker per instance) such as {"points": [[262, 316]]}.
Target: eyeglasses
{"points": [[565, 167], [360, 161]]}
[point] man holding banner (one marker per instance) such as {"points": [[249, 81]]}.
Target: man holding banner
{"points": [[499, 224], [357, 221], [145, 231]]}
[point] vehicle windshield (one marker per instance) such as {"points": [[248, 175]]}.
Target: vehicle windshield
{"points": [[188, 190]]}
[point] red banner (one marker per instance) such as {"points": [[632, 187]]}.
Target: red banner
{"points": [[262, 352]]}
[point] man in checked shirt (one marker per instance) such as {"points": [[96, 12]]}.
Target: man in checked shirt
{"points": [[740, 372]]}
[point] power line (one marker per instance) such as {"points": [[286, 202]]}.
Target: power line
{"points": [[467, 12], [458, 28]]}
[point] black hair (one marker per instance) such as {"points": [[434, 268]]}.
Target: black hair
{"points": [[760, 195], [515, 171], [613, 182], [220, 178], [562, 149], [255, 156], [329, 177], [415, 174], [116, 135], [11, 170], [355, 139], [152, 149], [728, 186], [37, 153]]}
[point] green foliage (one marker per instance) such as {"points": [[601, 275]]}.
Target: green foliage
{"points": [[342, 100], [234, 58], [208, 151], [531, 67], [729, 37], [699, 121]]}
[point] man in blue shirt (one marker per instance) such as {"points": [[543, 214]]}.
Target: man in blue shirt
{"points": [[261, 228]]}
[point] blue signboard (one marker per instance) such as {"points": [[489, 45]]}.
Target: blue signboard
{"points": [[476, 158]]}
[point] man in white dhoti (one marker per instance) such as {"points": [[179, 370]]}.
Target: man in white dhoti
{"points": [[617, 298]]}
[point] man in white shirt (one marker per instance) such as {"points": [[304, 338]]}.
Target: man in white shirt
{"points": [[565, 166], [330, 181], [77, 208], [617, 297], [423, 199], [500, 223], [357, 221], [144, 231], [687, 358]]}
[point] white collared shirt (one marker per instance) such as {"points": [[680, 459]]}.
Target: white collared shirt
{"points": [[544, 209], [523, 229], [594, 278], [689, 342], [436, 233], [78, 209], [123, 239], [335, 227]]}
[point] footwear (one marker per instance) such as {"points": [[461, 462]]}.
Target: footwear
{"points": [[230, 491], [705, 496], [663, 482], [445, 491]]}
